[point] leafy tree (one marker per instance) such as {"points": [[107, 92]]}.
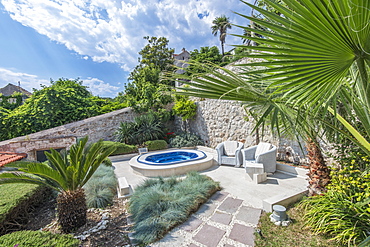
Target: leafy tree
{"points": [[65, 173], [205, 55], [145, 91], [220, 26], [156, 54], [63, 102]]}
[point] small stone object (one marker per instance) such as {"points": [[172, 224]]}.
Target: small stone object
{"points": [[279, 216], [279, 213], [100, 226]]}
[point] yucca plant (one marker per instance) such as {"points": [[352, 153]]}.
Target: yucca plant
{"points": [[65, 173], [146, 127]]}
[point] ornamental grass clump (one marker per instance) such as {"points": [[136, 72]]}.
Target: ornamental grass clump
{"points": [[101, 188], [160, 204], [344, 211]]}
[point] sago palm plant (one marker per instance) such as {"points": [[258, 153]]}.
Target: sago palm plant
{"points": [[65, 173]]}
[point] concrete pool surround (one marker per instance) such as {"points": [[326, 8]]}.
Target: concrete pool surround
{"points": [[171, 157], [144, 165]]}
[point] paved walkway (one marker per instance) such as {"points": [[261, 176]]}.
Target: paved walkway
{"points": [[222, 221], [230, 217]]}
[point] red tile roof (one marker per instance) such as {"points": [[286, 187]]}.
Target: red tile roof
{"points": [[8, 157]]}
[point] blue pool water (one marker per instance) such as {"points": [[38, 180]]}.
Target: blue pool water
{"points": [[171, 157]]}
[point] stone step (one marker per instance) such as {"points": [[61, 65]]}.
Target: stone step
{"points": [[285, 199], [123, 187]]}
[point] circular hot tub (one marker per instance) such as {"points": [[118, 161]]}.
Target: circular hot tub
{"points": [[170, 162]]}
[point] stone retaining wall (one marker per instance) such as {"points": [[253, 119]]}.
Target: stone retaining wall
{"points": [[98, 127], [220, 120]]}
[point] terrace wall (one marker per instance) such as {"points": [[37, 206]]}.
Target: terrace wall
{"points": [[220, 120], [98, 127]]}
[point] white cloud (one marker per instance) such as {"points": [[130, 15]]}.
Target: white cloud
{"points": [[100, 88], [113, 30], [28, 81]]}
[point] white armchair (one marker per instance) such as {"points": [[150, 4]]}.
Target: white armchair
{"points": [[264, 153], [229, 153]]}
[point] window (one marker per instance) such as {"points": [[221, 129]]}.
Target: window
{"points": [[40, 154]]}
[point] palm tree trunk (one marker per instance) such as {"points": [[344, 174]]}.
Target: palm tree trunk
{"points": [[319, 173], [71, 209], [222, 49]]}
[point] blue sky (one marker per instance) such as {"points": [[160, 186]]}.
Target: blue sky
{"points": [[98, 40]]}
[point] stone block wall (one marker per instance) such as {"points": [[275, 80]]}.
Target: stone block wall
{"points": [[220, 120], [98, 127]]}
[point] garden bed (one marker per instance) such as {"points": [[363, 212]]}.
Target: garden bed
{"points": [[296, 234], [17, 202]]}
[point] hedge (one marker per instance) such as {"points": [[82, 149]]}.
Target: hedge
{"points": [[121, 148], [37, 238]]}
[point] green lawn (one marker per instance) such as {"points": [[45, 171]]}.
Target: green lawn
{"points": [[12, 194], [293, 235]]}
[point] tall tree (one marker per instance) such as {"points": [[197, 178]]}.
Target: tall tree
{"points": [[145, 90], [220, 26], [155, 54], [65, 173]]}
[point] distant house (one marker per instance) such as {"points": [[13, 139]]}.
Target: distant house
{"points": [[10, 89], [180, 60]]}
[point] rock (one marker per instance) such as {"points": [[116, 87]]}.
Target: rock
{"points": [[285, 223]]}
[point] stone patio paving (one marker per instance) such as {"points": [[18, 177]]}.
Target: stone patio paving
{"points": [[230, 217]]}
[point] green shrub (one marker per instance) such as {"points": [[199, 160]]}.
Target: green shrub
{"points": [[156, 145], [101, 188], [185, 140], [158, 205], [37, 238], [121, 148], [146, 127], [185, 108], [107, 162], [344, 211]]}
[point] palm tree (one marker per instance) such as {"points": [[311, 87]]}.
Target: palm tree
{"points": [[220, 25], [65, 174], [311, 58]]}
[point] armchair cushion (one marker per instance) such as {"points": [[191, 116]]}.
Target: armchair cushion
{"points": [[230, 147], [235, 157], [262, 147]]}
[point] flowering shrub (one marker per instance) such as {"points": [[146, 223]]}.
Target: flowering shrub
{"points": [[351, 182], [344, 211], [169, 136]]}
